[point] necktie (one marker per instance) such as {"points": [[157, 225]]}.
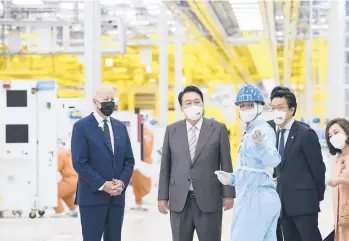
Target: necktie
{"points": [[192, 142], [281, 143], [107, 134]]}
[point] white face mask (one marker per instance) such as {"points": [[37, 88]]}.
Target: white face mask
{"points": [[193, 112], [279, 117], [249, 115], [338, 141]]}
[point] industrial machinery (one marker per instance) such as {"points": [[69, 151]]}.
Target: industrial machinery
{"points": [[28, 159], [132, 120]]}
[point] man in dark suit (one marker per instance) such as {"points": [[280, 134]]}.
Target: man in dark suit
{"points": [[301, 173], [193, 150], [103, 158], [279, 229], [274, 126]]}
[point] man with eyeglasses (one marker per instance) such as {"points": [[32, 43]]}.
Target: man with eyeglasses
{"points": [[276, 128], [301, 173]]}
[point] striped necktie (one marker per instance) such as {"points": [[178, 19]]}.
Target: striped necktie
{"points": [[107, 134], [192, 142]]}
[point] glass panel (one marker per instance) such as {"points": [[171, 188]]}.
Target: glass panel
{"points": [[346, 77], [17, 134], [16, 98], [346, 96]]}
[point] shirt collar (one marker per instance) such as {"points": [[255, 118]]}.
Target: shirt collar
{"points": [[198, 125], [100, 118], [289, 125]]}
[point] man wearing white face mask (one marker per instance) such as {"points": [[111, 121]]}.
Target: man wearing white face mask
{"points": [[276, 128], [301, 173], [192, 150]]}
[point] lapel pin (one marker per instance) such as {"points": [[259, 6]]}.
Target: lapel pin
{"points": [[291, 137]]}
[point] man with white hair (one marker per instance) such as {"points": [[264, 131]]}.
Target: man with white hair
{"points": [[103, 158]]}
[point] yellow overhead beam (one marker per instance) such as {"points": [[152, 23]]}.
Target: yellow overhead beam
{"points": [[266, 8], [259, 53], [291, 21], [287, 24], [211, 49], [203, 14]]}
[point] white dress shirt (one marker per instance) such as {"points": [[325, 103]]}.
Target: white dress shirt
{"points": [[100, 121], [197, 133], [287, 131]]}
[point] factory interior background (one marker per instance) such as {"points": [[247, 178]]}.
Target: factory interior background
{"points": [[149, 50]]}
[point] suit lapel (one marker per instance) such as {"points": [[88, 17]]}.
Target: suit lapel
{"points": [[116, 132], [98, 131], [181, 131], [290, 140], [272, 124], [205, 133]]}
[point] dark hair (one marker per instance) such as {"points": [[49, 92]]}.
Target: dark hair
{"points": [[190, 88], [344, 124], [288, 96], [277, 88]]}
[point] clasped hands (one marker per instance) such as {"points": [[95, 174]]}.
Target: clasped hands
{"points": [[114, 187]]}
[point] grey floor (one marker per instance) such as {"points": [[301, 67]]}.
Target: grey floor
{"points": [[147, 226], [137, 226]]}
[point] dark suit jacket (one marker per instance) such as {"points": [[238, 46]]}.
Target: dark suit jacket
{"points": [[95, 163], [178, 170], [273, 125], [301, 174]]}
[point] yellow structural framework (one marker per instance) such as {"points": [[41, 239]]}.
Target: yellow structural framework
{"points": [[201, 66]]}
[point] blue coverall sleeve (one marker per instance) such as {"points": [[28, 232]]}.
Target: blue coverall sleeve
{"points": [[266, 151], [233, 183]]}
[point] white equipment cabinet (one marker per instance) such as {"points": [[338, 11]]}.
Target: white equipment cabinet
{"points": [[28, 156], [132, 122]]}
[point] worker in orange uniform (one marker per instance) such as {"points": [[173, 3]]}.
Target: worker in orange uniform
{"points": [[140, 183], [68, 183]]}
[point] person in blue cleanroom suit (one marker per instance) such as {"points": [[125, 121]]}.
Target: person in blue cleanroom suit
{"points": [[257, 205]]}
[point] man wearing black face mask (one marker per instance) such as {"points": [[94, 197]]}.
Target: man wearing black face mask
{"points": [[103, 158]]}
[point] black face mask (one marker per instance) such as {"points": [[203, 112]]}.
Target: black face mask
{"points": [[107, 107]]}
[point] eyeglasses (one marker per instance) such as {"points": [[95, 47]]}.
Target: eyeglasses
{"points": [[278, 108]]}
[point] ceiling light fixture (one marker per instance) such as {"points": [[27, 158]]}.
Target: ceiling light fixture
{"points": [[69, 6], [247, 14], [107, 2], [27, 2], [140, 23]]}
